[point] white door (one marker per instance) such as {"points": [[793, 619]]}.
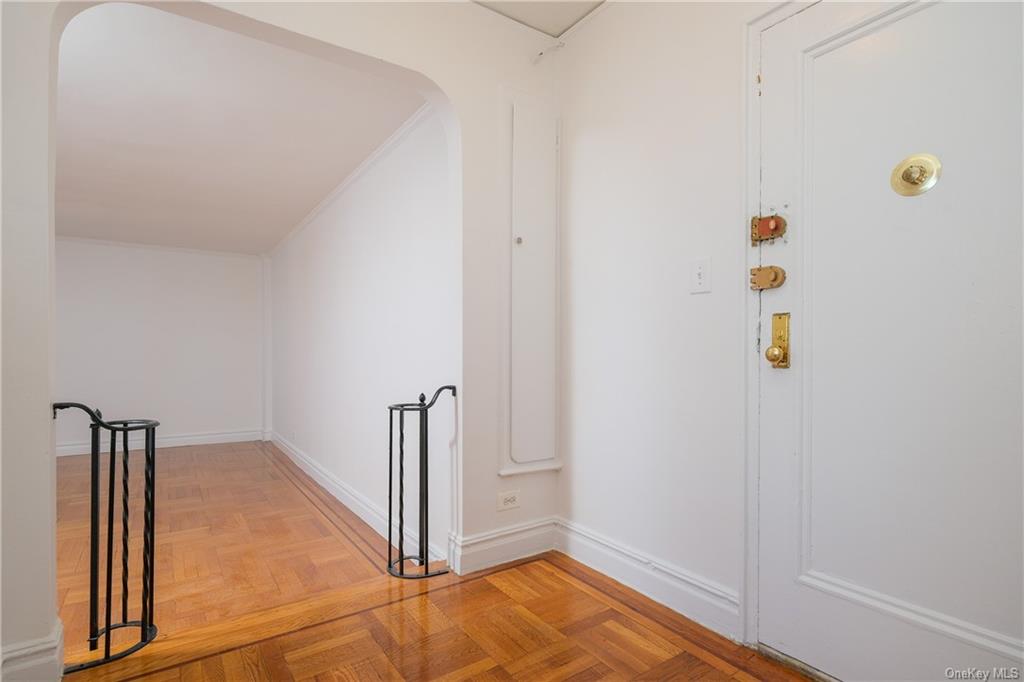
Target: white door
{"points": [[891, 448]]}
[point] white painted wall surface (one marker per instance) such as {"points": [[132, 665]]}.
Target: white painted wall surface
{"points": [[186, 326], [653, 376], [653, 178], [464, 52], [366, 313], [470, 53], [32, 633]]}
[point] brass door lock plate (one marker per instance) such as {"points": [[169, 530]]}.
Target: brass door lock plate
{"points": [[766, 228], [778, 353], [768, 277]]}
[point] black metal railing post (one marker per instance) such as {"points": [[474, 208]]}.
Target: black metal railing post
{"points": [[391, 478], [145, 623], [423, 484], [110, 540], [94, 537], [151, 514], [396, 566], [401, 493]]}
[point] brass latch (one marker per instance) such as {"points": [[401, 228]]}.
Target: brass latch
{"points": [[768, 277], [778, 352], [766, 228]]}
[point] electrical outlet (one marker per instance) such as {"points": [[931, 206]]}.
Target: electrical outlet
{"points": [[700, 276], [508, 500]]}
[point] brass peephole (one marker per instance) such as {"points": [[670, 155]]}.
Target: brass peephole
{"points": [[915, 175]]}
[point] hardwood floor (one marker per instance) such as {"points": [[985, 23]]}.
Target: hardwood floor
{"points": [[262, 575], [235, 533]]}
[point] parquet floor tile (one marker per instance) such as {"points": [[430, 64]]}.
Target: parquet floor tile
{"points": [[263, 576], [234, 535]]}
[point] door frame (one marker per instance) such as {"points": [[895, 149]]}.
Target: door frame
{"points": [[749, 602]]}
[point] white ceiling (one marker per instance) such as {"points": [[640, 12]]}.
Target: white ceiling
{"points": [[554, 17], [177, 133]]}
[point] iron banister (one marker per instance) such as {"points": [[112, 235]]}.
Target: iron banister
{"points": [[396, 566], [147, 629], [114, 425], [422, 404]]}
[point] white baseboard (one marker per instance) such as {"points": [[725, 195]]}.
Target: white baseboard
{"points": [[483, 550], [137, 441], [696, 597], [370, 512], [705, 601], [35, 660]]}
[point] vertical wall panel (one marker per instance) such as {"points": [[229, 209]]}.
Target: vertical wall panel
{"points": [[534, 283]]}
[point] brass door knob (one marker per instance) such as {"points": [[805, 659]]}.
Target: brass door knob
{"points": [[778, 353]]}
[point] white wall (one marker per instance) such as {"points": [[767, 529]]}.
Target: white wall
{"points": [[458, 54], [32, 634], [366, 313], [653, 382], [159, 333], [652, 178], [471, 54]]}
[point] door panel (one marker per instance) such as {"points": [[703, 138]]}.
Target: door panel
{"points": [[891, 449]]}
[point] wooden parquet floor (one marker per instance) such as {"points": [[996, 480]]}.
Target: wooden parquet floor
{"points": [[262, 575]]}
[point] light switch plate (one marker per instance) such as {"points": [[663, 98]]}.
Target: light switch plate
{"points": [[700, 276]]}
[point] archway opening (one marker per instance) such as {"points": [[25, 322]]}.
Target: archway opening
{"points": [[267, 230]]}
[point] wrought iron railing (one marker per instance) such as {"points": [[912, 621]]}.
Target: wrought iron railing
{"points": [[147, 629], [396, 567]]}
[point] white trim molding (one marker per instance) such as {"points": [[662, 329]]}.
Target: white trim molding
{"points": [[508, 97], [369, 162], [369, 511], [975, 635], [35, 659], [531, 468], [155, 247], [483, 550], [701, 599], [267, 346], [211, 438], [751, 92], [698, 598]]}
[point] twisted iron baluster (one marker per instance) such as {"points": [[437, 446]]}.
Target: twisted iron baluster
{"points": [[124, 528]]}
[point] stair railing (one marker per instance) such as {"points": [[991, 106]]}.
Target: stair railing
{"points": [[147, 630], [396, 566]]}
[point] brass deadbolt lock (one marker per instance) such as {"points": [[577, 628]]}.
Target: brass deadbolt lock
{"points": [[768, 277], [766, 228]]}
